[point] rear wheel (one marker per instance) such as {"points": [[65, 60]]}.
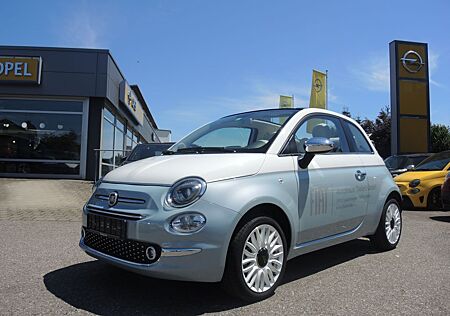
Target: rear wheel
{"points": [[389, 228], [256, 260], [434, 202]]}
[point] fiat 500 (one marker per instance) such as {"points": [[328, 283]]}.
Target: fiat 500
{"points": [[234, 200]]}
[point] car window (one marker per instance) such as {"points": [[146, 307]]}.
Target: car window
{"points": [[418, 159], [318, 126], [435, 162], [357, 139], [224, 137], [249, 132]]}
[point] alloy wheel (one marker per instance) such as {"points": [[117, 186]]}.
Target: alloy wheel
{"points": [[393, 223], [262, 258]]}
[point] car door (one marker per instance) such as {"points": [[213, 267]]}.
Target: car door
{"points": [[332, 191]]}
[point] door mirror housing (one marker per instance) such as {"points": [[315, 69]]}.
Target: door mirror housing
{"points": [[410, 167], [318, 145], [313, 146]]}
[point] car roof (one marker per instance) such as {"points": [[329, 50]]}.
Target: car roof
{"points": [[265, 110]]}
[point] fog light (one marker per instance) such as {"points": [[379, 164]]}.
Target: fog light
{"points": [[83, 232], [150, 253], [414, 191], [188, 223]]}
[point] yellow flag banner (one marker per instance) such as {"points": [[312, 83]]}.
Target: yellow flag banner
{"points": [[286, 102], [318, 97], [318, 90]]}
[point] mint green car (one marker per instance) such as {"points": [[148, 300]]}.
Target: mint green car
{"points": [[234, 200]]}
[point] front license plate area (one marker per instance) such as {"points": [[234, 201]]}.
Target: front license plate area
{"points": [[113, 227]]}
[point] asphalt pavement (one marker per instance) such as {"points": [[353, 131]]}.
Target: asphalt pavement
{"points": [[43, 272]]}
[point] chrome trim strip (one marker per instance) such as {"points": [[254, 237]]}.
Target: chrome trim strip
{"points": [[121, 199], [179, 252], [93, 208]]}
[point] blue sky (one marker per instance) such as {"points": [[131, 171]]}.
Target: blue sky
{"points": [[198, 60]]}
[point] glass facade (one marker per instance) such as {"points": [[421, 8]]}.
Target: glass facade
{"points": [[117, 142], [40, 136]]}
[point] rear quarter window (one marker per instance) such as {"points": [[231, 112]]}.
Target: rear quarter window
{"points": [[358, 141]]}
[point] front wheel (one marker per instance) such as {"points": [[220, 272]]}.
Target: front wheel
{"points": [[434, 202], [256, 260], [389, 228]]}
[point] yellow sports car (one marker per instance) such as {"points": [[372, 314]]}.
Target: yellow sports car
{"points": [[421, 187]]}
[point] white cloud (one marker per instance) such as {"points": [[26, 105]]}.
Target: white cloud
{"points": [[374, 73], [433, 60], [82, 28]]}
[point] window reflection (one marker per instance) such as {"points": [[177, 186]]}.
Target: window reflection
{"points": [[36, 136], [117, 142], [35, 139]]}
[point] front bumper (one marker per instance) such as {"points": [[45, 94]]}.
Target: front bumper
{"points": [[199, 256], [413, 197]]}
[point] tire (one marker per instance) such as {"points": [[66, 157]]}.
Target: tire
{"points": [[434, 202], [389, 228], [264, 265]]}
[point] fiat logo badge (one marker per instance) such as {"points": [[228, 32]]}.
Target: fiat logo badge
{"points": [[113, 198]]}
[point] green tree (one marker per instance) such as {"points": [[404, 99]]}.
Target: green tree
{"points": [[440, 138], [381, 132]]}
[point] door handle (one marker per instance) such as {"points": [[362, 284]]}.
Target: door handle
{"points": [[360, 176]]}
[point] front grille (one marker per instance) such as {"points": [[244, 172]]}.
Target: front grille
{"points": [[125, 249], [113, 213]]}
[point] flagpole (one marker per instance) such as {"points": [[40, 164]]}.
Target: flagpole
{"points": [[326, 76]]}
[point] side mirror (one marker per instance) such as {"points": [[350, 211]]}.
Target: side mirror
{"points": [[313, 146], [410, 167], [318, 145]]}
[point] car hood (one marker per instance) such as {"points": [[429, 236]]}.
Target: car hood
{"points": [[421, 175], [165, 170]]}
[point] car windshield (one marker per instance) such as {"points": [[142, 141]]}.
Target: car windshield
{"points": [[147, 150], [396, 162], [435, 162], [244, 132], [401, 162]]}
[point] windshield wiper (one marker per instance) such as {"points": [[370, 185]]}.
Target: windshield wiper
{"points": [[201, 150]]}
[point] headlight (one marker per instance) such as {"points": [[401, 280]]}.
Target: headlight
{"points": [[414, 183], [185, 192], [188, 223]]}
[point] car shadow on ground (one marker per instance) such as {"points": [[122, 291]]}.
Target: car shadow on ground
{"points": [[445, 218], [102, 289]]}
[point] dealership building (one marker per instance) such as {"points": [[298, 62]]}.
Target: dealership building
{"points": [[68, 113]]}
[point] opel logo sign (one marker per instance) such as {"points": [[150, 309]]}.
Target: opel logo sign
{"points": [[412, 61], [318, 85], [113, 198]]}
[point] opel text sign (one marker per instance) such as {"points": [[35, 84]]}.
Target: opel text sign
{"points": [[128, 98], [20, 69]]}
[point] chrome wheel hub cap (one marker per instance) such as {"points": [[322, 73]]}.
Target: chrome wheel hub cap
{"points": [[262, 258], [393, 223]]}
